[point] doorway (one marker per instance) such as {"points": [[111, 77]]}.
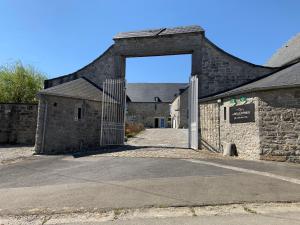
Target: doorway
{"points": [[150, 104], [159, 123]]}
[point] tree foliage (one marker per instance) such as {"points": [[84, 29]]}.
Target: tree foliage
{"points": [[19, 83]]}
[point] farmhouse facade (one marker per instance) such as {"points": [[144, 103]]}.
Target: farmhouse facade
{"points": [[149, 103]]}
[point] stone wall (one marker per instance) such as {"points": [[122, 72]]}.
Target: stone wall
{"points": [[179, 111], [221, 71], [244, 135], [275, 134], [145, 112], [209, 126], [279, 123], [18, 123], [60, 132], [184, 109], [96, 71], [216, 130], [175, 112]]}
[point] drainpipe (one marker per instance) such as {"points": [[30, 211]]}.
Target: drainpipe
{"points": [[219, 101]]}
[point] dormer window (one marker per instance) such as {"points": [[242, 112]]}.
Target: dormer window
{"points": [[156, 99]]}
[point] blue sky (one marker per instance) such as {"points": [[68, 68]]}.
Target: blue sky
{"points": [[61, 36]]}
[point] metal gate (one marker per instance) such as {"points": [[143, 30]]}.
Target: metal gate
{"points": [[113, 112], [193, 113]]}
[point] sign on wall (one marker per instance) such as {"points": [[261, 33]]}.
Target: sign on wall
{"points": [[242, 113]]}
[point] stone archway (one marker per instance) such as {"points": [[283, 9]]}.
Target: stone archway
{"points": [[216, 70]]}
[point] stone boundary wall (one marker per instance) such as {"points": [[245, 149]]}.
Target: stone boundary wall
{"points": [[18, 123]]}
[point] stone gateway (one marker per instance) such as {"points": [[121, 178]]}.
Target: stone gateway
{"points": [[220, 77]]}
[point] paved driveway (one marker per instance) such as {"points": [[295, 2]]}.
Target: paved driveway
{"points": [[65, 183], [161, 137], [160, 143]]}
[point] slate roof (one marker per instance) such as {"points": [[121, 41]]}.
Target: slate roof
{"points": [[159, 32], [287, 53], [287, 77], [146, 92], [81, 88]]}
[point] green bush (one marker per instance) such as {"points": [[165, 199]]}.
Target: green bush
{"points": [[19, 83]]}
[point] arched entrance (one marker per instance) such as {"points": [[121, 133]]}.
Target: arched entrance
{"points": [[212, 69]]}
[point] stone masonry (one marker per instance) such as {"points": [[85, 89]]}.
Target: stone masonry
{"points": [[216, 69], [63, 128], [279, 124], [18, 123], [210, 126], [179, 110], [273, 136], [145, 112]]}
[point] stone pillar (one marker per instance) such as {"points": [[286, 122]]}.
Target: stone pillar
{"points": [[119, 66], [196, 62]]}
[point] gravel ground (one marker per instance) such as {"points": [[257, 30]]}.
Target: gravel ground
{"points": [[161, 143], [149, 152], [122, 215], [13, 153], [150, 143]]}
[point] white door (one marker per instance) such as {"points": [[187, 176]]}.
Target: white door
{"points": [[193, 113]]}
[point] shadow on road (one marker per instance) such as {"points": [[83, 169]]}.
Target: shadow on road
{"points": [[113, 149]]}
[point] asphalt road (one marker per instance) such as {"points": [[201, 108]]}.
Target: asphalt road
{"points": [[60, 183]]}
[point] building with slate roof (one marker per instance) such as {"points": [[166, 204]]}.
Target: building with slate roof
{"points": [[261, 119], [69, 113], [287, 54], [253, 108], [149, 103]]}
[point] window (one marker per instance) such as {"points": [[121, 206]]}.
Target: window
{"points": [[156, 99], [79, 113], [225, 113], [155, 107]]}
